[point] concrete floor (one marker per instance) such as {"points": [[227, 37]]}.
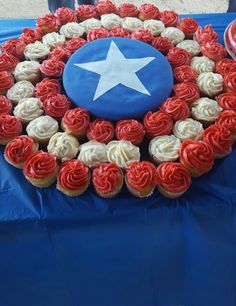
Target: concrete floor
{"points": [[36, 8]]}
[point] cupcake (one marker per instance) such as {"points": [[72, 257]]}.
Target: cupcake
{"points": [[109, 21], [105, 7], [227, 101], [189, 26], [40, 169], [174, 34], [205, 35], [178, 57], [157, 123], [172, 180], [10, 127], [225, 66], [30, 36], [73, 178], [154, 26], [72, 30], [227, 119], [60, 54], [196, 156], [162, 44], [164, 148], [63, 146], [202, 64], [188, 129], [20, 90], [93, 153], [6, 82], [140, 179], [90, 24], [220, 140], [97, 33], [53, 40], [42, 129], [122, 153], [101, 131], [27, 71], [107, 180], [132, 24], [5, 106], [128, 10], [187, 91], [210, 84], [65, 15], [191, 46], [8, 62], [185, 73], [213, 51], [74, 44], [36, 51], [119, 32], [143, 35], [47, 88], [19, 150], [230, 82], [130, 130], [149, 11], [76, 122], [48, 23], [14, 47], [52, 68], [86, 11], [169, 18], [56, 106]]}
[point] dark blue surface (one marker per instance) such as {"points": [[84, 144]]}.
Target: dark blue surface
{"points": [[123, 252]]}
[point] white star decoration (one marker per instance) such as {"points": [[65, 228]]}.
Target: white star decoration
{"points": [[116, 69]]}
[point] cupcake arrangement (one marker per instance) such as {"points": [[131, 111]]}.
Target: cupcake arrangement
{"points": [[52, 141]]}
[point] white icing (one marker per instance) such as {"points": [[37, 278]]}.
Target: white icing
{"points": [[43, 127], [210, 84], [92, 153], [122, 153], [188, 129], [202, 64], [28, 109], [174, 34], [36, 51], [90, 24], [20, 90], [63, 146], [109, 21], [27, 71], [190, 45], [205, 109], [165, 148], [71, 30], [52, 40], [154, 26], [132, 24]]}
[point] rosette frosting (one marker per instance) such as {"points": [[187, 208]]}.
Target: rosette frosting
{"points": [[210, 84], [188, 129], [157, 123], [93, 153], [28, 109], [20, 90], [205, 109], [101, 130], [43, 128]]}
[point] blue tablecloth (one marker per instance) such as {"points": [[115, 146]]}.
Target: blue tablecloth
{"points": [[86, 251]]}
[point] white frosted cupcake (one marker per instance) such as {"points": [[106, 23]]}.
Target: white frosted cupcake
{"points": [[174, 34], [154, 26], [132, 24], [52, 40], [109, 21], [122, 153], [28, 109], [63, 146], [27, 71], [20, 90], [72, 30], [90, 24], [36, 51], [210, 84], [205, 110], [93, 153], [190, 45], [42, 129], [202, 64], [188, 129]]}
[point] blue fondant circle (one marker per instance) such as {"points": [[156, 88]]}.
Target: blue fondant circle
{"points": [[120, 102]]}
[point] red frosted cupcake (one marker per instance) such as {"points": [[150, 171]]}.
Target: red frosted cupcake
{"points": [[189, 26], [74, 44], [65, 15], [101, 131], [105, 7], [73, 178], [107, 180], [130, 130], [227, 119], [213, 51], [196, 156], [157, 123], [172, 180], [10, 127], [169, 18], [227, 101], [5, 106], [128, 10], [60, 54], [178, 57], [40, 169], [162, 44], [148, 11], [76, 122], [97, 33], [14, 47], [86, 11], [225, 66], [143, 35], [119, 32], [177, 108], [187, 91], [8, 62], [19, 150], [185, 74], [48, 23], [6, 82], [47, 88], [220, 140], [230, 82], [205, 35], [30, 36], [140, 178], [52, 68], [56, 106]]}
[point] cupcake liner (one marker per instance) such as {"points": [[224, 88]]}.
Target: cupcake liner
{"points": [[170, 194], [113, 193], [137, 193], [43, 183]]}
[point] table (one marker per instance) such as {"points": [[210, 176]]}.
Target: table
{"points": [[55, 250]]}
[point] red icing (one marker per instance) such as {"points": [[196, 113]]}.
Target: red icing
{"points": [[14, 47], [225, 65], [162, 44], [177, 108], [56, 106], [76, 120], [173, 177], [205, 35], [86, 11], [187, 91], [52, 68], [178, 57], [65, 15], [157, 123], [185, 74], [60, 54], [227, 101], [128, 10], [30, 36], [6, 80], [105, 7], [119, 32], [74, 44], [10, 127], [130, 130], [101, 130], [169, 18], [230, 81], [189, 26], [5, 106], [47, 88], [227, 119], [97, 33], [8, 62], [143, 35], [148, 11], [48, 23], [214, 51]]}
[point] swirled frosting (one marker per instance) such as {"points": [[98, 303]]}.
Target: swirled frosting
{"points": [[93, 153], [185, 73], [28, 109], [20, 90], [188, 129], [105, 7], [43, 128], [205, 109], [27, 71], [130, 130], [122, 153], [202, 64], [109, 21], [227, 100], [8, 62], [132, 23], [128, 10], [53, 40], [65, 15], [162, 44], [86, 11], [157, 123], [210, 83], [227, 119], [101, 130], [36, 51], [63, 146], [149, 11], [47, 88], [176, 35], [190, 45], [72, 30], [90, 24], [154, 26], [10, 127], [76, 120]]}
